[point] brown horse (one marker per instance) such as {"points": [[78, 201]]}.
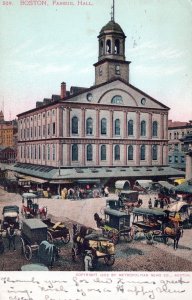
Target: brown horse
{"points": [[172, 231]]}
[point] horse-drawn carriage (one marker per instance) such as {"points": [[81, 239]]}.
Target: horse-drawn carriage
{"points": [[57, 231], [34, 239], [30, 208], [10, 216], [115, 225], [156, 224], [91, 246]]}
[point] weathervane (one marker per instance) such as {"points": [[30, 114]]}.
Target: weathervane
{"points": [[113, 11]]}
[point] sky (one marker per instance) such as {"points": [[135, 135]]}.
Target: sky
{"points": [[44, 45]]}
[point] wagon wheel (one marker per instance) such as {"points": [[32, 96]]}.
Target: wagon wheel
{"points": [[102, 210], [113, 236], [128, 237], [22, 246], [49, 237], [66, 238], [109, 260], [74, 253], [28, 252], [149, 236]]}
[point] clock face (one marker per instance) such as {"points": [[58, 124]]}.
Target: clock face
{"points": [[89, 97], [143, 101]]}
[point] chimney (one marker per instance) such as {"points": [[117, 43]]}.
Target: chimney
{"points": [[63, 90]]}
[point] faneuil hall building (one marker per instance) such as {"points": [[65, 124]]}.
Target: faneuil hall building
{"points": [[109, 130]]}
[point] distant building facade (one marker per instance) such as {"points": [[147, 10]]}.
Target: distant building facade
{"points": [[176, 133], [8, 129]]}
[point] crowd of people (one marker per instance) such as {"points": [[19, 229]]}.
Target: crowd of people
{"points": [[161, 203]]}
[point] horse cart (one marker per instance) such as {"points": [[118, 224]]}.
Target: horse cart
{"points": [[115, 225], [34, 239], [10, 216], [57, 231], [30, 208], [155, 224], [91, 246]]}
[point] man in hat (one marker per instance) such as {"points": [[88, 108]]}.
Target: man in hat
{"points": [[11, 236]]}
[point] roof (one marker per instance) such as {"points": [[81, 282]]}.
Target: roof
{"points": [[166, 184], [175, 207], [115, 213], [34, 223], [185, 188], [148, 211], [112, 26], [51, 173]]}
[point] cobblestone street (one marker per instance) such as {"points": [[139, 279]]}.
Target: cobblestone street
{"points": [[134, 256]]}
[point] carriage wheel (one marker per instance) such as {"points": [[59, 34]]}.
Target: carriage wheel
{"points": [[109, 260], [28, 252], [113, 236], [128, 237], [74, 254], [49, 237], [66, 238], [102, 210], [22, 246]]}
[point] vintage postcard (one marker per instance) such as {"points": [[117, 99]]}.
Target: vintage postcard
{"points": [[95, 149]]}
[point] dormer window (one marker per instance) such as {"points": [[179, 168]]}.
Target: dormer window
{"points": [[117, 100]]}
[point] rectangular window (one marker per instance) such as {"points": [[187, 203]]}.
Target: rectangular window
{"points": [[48, 129], [176, 159], [170, 159], [43, 130], [182, 159], [53, 128], [39, 131]]}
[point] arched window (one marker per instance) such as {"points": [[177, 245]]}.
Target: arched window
{"points": [[154, 128], [117, 46], [130, 127], [89, 126], [117, 99], [101, 47], [103, 126], [142, 156], [117, 127], [108, 46], [143, 128], [74, 125], [117, 152], [74, 152], [154, 152], [89, 152], [103, 152], [130, 152]]}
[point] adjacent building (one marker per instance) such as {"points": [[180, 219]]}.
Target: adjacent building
{"points": [[177, 131]]}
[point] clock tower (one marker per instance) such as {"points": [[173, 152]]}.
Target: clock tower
{"points": [[111, 61]]}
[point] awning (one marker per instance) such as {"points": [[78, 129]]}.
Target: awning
{"points": [[122, 184], [61, 181], [185, 188], [166, 184], [33, 179]]}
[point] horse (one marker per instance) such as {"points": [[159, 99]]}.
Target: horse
{"points": [[172, 231], [99, 221]]}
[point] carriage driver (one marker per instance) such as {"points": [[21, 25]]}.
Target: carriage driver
{"points": [[11, 236]]}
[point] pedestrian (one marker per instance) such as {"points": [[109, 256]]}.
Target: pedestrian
{"points": [[150, 203], [155, 202], [162, 203], [103, 191], [11, 236], [106, 191]]}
